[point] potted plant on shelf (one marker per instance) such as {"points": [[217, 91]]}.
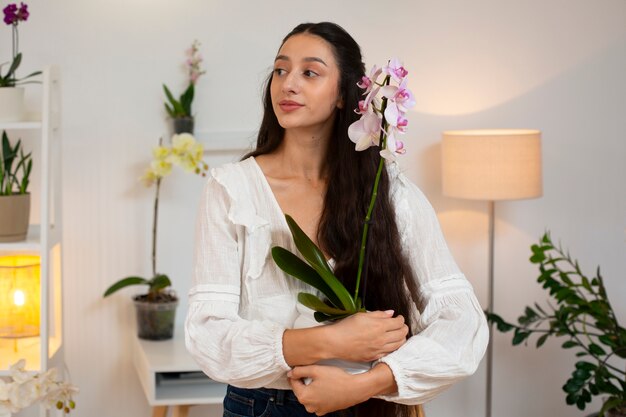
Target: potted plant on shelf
{"points": [[584, 316], [180, 110], [25, 388], [15, 169], [12, 96], [156, 309]]}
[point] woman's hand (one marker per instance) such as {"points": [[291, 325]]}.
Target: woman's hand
{"points": [[365, 337], [333, 389]]}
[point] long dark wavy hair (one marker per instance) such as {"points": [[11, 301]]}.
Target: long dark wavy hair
{"points": [[350, 179]]}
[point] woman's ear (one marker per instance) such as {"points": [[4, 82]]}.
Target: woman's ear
{"points": [[340, 103]]}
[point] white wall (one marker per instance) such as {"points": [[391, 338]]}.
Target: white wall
{"points": [[554, 65]]}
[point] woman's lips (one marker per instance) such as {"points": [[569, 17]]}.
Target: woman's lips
{"points": [[288, 105]]}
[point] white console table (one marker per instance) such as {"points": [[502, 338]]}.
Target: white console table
{"points": [[171, 378]]}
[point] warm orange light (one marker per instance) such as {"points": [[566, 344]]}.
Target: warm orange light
{"points": [[19, 296]]}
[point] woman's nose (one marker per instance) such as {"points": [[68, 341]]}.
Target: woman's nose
{"points": [[291, 83]]}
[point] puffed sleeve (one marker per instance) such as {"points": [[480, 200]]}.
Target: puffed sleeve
{"points": [[229, 349], [451, 335]]}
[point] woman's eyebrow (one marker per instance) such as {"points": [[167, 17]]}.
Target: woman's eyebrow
{"points": [[306, 59]]}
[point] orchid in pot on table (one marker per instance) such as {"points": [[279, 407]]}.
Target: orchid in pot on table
{"points": [[156, 308], [25, 388], [382, 121]]}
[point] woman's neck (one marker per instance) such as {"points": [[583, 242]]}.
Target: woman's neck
{"points": [[302, 153]]}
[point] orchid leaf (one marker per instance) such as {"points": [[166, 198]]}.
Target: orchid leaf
{"points": [[125, 282], [321, 317], [159, 282], [299, 269], [314, 303], [316, 259]]}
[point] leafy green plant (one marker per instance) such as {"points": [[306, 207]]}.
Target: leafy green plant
{"points": [[584, 316], [9, 80], [156, 285], [181, 107], [10, 180], [318, 274]]}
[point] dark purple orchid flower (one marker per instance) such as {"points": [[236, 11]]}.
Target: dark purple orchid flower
{"points": [[13, 14]]}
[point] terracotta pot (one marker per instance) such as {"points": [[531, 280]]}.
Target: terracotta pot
{"points": [[11, 104], [155, 320], [14, 216]]}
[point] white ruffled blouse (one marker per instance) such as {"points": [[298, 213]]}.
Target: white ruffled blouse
{"points": [[241, 302]]}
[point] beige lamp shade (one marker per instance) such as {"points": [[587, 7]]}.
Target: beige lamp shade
{"points": [[495, 164], [19, 296]]}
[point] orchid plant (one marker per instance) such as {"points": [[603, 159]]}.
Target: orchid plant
{"points": [[181, 108], [25, 388], [383, 110], [187, 153], [13, 15]]}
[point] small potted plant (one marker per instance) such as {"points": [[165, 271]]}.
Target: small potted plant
{"points": [[180, 110], [15, 169], [583, 315], [12, 96], [156, 309]]}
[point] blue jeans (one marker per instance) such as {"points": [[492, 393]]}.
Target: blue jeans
{"points": [[264, 402]]}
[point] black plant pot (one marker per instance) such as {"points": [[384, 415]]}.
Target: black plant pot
{"points": [[183, 125], [155, 320]]}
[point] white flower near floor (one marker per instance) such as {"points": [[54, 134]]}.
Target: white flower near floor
{"points": [[24, 388]]}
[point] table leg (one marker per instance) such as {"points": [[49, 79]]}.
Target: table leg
{"points": [[159, 411], [181, 411]]}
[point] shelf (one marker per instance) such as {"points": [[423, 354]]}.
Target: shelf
{"points": [[32, 242], [20, 125], [28, 348]]}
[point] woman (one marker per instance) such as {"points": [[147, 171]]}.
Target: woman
{"points": [[425, 329]]}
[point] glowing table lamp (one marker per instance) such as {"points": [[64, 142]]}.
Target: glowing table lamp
{"points": [[19, 296], [491, 165]]}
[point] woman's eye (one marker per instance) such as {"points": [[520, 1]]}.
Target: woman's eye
{"points": [[309, 73], [279, 71]]}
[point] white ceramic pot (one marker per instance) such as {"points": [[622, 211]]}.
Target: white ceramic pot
{"points": [[306, 320], [11, 104]]}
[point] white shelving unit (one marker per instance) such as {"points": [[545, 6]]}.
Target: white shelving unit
{"points": [[45, 235]]}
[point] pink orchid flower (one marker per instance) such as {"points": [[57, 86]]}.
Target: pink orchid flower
{"points": [[368, 82], [365, 132], [392, 146], [395, 69]]}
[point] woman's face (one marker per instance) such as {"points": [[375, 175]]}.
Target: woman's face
{"points": [[305, 83]]}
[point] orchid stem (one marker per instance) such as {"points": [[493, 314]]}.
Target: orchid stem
{"points": [[154, 220], [381, 164]]}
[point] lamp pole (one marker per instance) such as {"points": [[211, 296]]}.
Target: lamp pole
{"points": [[491, 204]]}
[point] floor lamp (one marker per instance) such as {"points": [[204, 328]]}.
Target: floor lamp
{"points": [[491, 165]]}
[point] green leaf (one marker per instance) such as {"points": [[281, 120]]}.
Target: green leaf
{"points": [[569, 344], [158, 282], [125, 282], [321, 317], [607, 340], [314, 303], [299, 269], [542, 340], [587, 366], [316, 259], [596, 349], [519, 337]]}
